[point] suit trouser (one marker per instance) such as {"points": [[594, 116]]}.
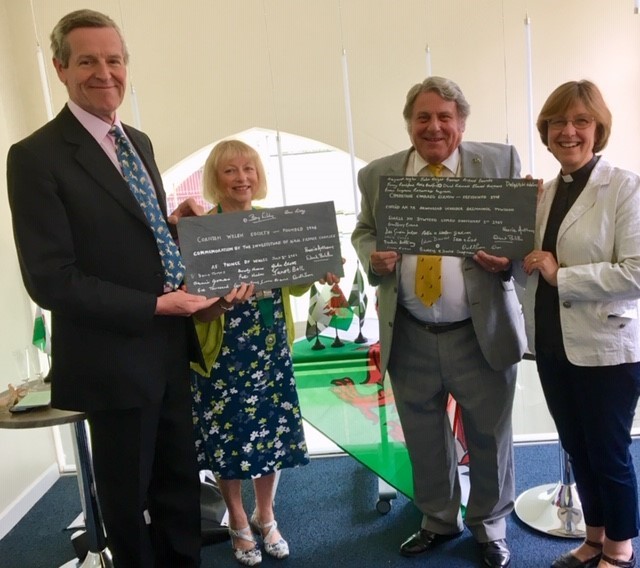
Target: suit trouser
{"points": [[424, 368], [593, 408], [144, 458]]}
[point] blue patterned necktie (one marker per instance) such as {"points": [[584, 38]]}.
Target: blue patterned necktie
{"points": [[140, 185]]}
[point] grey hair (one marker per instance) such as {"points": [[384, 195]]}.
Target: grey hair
{"points": [[445, 88], [80, 19]]}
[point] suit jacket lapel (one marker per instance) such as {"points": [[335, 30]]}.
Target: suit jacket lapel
{"points": [[586, 200], [470, 163], [542, 212], [399, 166], [91, 157], [471, 167]]}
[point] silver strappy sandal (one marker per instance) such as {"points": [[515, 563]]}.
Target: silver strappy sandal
{"points": [[250, 556], [278, 549]]}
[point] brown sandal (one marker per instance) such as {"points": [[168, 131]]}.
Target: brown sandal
{"points": [[568, 560], [593, 544], [620, 563]]}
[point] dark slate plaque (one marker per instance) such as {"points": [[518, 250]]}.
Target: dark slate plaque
{"points": [[456, 216], [274, 247]]}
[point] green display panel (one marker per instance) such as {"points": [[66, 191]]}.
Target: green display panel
{"points": [[343, 396]]}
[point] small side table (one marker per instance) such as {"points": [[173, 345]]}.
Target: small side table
{"points": [[555, 508], [99, 555]]}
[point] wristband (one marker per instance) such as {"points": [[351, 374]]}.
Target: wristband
{"points": [[225, 308]]}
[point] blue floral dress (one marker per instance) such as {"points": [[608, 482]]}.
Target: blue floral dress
{"points": [[246, 415]]}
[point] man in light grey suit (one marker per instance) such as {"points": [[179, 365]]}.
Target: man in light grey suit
{"points": [[466, 342]]}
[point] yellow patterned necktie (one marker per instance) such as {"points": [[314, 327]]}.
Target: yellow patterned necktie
{"points": [[429, 267]]}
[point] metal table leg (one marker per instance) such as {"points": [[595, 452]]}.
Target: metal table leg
{"points": [[386, 493], [554, 509], [98, 555]]}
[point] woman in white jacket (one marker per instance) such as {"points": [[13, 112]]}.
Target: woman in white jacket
{"points": [[582, 318]]}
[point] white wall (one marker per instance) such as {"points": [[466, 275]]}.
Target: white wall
{"points": [[27, 455], [204, 69]]}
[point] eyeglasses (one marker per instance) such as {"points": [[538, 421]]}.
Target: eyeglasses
{"points": [[579, 123]]}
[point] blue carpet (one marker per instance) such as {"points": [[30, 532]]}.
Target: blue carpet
{"points": [[327, 512]]}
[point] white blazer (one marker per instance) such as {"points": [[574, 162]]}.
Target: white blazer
{"points": [[598, 251]]}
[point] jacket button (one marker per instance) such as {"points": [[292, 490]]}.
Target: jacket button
{"points": [[566, 304]]}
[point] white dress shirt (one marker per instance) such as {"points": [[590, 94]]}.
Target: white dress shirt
{"points": [[452, 305]]}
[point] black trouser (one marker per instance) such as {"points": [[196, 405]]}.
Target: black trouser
{"points": [[144, 458], [593, 409]]}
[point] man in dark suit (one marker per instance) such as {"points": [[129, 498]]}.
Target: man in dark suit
{"points": [[465, 340], [122, 336]]}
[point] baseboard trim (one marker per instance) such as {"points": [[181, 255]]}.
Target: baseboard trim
{"points": [[21, 505]]}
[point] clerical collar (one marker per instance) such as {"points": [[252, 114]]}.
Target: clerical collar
{"points": [[582, 174]]}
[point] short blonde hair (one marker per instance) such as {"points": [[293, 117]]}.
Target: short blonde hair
{"points": [[566, 95], [221, 153]]}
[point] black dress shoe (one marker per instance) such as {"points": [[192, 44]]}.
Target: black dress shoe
{"points": [[496, 553], [424, 540], [568, 560]]}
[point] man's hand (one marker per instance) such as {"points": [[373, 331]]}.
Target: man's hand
{"points": [[188, 208], [492, 263], [181, 303], [384, 262]]}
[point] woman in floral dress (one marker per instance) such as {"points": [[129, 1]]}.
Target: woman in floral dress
{"points": [[245, 404]]}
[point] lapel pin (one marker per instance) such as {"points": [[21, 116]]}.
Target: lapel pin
{"points": [[477, 160]]}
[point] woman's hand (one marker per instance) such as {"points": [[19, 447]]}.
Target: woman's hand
{"points": [[540, 187], [540, 190], [235, 296], [188, 208], [329, 278], [544, 262]]}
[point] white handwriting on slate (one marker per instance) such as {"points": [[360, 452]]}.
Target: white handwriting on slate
{"points": [[259, 218]]}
